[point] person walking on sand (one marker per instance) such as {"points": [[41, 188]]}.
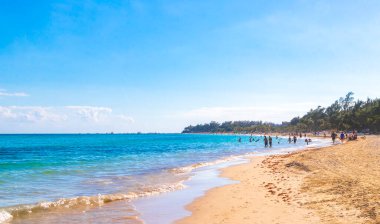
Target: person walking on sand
{"points": [[265, 141], [342, 136], [270, 142], [333, 136]]}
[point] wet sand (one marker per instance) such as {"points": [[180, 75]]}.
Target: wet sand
{"points": [[337, 184]]}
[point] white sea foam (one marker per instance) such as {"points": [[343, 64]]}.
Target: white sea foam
{"points": [[5, 217], [6, 214], [188, 169]]}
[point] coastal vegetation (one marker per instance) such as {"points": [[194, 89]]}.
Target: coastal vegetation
{"points": [[344, 114]]}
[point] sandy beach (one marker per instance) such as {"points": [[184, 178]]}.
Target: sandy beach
{"points": [[337, 184]]}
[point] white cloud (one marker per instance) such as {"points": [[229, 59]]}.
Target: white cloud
{"points": [[4, 92], [90, 113], [29, 114], [126, 118], [37, 119]]}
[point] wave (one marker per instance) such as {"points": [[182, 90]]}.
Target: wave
{"points": [[188, 169], [19, 211], [85, 202]]}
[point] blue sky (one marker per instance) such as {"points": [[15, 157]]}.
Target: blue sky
{"points": [[127, 66]]}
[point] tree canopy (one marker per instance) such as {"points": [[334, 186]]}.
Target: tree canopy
{"points": [[344, 114]]}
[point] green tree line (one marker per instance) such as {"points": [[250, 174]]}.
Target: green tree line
{"points": [[345, 114]]}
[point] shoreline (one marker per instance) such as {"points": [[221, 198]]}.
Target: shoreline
{"points": [[160, 209], [303, 186], [166, 208], [89, 204]]}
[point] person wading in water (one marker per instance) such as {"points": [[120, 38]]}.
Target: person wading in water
{"points": [[265, 141], [270, 142]]}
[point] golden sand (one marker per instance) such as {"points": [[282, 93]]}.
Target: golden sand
{"points": [[338, 184]]}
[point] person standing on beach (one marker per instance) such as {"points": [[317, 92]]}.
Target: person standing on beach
{"points": [[270, 142], [294, 139], [265, 141], [341, 136], [333, 136]]}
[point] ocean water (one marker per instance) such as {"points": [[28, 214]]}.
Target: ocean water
{"points": [[44, 173]]}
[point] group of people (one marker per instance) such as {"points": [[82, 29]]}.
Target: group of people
{"points": [[297, 134], [268, 141], [294, 139], [344, 135]]}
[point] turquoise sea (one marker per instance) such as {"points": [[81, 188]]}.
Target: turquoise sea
{"points": [[43, 172]]}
